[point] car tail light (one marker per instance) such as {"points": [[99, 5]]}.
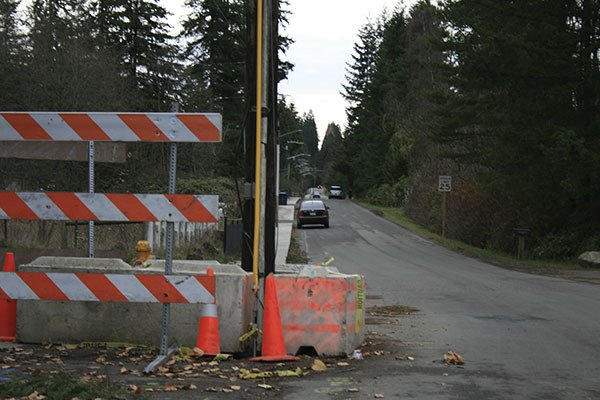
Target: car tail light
{"points": [[300, 213], [325, 212]]}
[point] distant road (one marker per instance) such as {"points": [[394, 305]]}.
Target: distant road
{"points": [[523, 336]]}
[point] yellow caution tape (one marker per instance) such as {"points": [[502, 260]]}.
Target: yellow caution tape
{"points": [[248, 335], [288, 373], [111, 344]]}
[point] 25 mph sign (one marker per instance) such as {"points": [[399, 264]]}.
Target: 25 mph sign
{"points": [[445, 183]]}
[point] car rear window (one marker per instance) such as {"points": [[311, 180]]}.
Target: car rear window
{"points": [[312, 205], [336, 188]]}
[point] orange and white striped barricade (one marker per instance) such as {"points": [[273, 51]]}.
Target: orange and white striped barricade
{"points": [[121, 288], [112, 127]]}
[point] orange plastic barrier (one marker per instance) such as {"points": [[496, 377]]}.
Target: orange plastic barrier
{"points": [[326, 313]]}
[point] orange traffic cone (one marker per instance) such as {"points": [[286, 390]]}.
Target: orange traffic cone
{"points": [[208, 328], [8, 308], [273, 346]]}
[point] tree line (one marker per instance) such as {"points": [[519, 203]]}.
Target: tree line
{"points": [[121, 55], [502, 96]]}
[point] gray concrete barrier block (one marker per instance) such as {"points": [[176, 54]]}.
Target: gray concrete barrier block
{"points": [[71, 322]]}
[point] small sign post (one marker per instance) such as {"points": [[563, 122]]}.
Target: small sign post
{"points": [[444, 186]]}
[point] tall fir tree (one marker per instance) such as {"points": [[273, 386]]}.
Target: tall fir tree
{"points": [[137, 31], [12, 54], [310, 134]]}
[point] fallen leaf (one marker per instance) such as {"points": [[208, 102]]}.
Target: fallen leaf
{"points": [[319, 365], [135, 389], [191, 386], [212, 389], [410, 358], [198, 352], [265, 386], [235, 387], [222, 357], [35, 396], [354, 390], [379, 396], [452, 357], [226, 390], [342, 364], [169, 387], [124, 370]]}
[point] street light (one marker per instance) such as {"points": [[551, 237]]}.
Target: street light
{"points": [[289, 133], [288, 164]]}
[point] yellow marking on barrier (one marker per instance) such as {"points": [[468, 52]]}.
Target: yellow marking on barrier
{"points": [[329, 261], [360, 303]]}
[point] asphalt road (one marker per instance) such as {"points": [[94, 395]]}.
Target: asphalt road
{"points": [[522, 336]]}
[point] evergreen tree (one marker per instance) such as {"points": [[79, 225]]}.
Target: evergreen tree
{"points": [[359, 74], [137, 31], [309, 133], [12, 74], [324, 159], [511, 107]]}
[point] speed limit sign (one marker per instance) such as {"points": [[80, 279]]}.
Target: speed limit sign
{"points": [[445, 183]]}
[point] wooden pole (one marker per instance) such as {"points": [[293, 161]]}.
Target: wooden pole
{"points": [[444, 199]]}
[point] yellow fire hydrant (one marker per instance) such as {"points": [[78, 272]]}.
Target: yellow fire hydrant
{"points": [[143, 253]]}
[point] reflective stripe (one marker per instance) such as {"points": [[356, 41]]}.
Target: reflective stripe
{"points": [[56, 127], [14, 286], [208, 311], [132, 288], [191, 289], [162, 208], [42, 206], [102, 207], [7, 132], [211, 203], [114, 127], [72, 287]]}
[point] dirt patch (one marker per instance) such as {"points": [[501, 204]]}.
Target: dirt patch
{"points": [[390, 311], [296, 255]]}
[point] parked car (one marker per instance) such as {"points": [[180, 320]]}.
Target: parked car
{"points": [[312, 193], [335, 192], [312, 212]]}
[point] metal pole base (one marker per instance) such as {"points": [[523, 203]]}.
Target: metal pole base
{"points": [[160, 360]]}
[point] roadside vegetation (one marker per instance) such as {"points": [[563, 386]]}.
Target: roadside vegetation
{"points": [[60, 386], [398, 216], [504, 97]]}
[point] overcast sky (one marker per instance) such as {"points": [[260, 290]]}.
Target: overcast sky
{"points": [[324, 32]]}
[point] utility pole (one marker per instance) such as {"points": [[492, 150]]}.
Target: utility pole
{"points": [[249, 137], [268, 202], [272, 196]]}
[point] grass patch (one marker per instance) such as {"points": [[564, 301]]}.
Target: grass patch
{"points": [[60, 386], [398, 216], [296, 254]]}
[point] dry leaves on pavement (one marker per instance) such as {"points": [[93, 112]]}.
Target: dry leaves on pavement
{"points": [[319, 366], [452, 357]]}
